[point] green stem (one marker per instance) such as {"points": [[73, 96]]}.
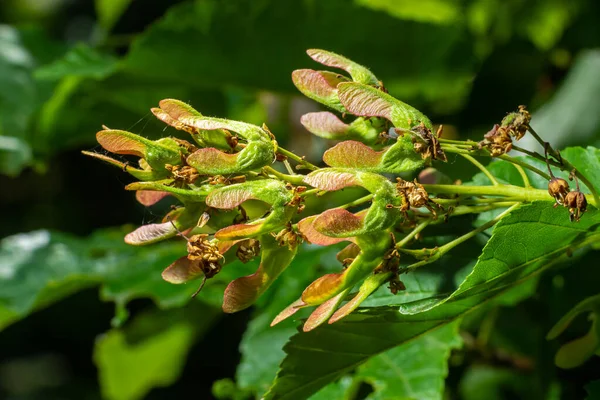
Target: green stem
{"points": [[482, 168], [299, 160], [357, 202], [289, 168], [540, 141], [523, 175], [485, 200], [524, 165], [438, 252], [310, 192], [459, 142], [295, 179], [524, 194], [463, 210], [452, 149], [412, 234]]}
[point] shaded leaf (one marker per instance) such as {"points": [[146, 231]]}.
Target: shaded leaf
{"points": [[17, 101], [42, 267], [431, 11], [109, 11], [81, 61], [593, 390], [588, 305], [150, 352]]}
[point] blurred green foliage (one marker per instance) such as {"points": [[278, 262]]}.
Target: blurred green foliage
{"points": [[66, 68]]}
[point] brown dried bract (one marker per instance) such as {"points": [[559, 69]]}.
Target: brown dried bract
{"points": [[427, 144], [497, 141], [517, 122], [247, 250], [413, 195], [183, 174]]}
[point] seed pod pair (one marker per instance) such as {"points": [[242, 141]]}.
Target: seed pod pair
{"points": [[574, 200]]}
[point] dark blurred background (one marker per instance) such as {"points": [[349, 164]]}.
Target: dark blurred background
{"points": [[69, 66]]}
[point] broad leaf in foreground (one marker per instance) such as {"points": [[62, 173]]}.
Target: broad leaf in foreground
{"points": [[415, 370], [319, 357], [520, 244]]}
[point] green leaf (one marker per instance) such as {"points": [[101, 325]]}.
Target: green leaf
{"points": [[17, 101], [109, 11], [549, 21], [491, 383], [587, 161], [415, 370], [163, 49], [150, 352], [42, 267], [431, 11], [321, 356], [81, 61], [589, 304], [15, 153], [521, 246]]}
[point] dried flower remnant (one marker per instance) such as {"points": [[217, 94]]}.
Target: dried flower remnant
{"points": [[247, 250], [559, 189], [497, 141], [427, 144], [288, 237], [413, 195], [575, 201], [201, 249], [183, 174], [517, 123]]}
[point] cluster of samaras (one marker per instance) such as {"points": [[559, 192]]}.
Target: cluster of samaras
{"points": [[228, 163]]}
